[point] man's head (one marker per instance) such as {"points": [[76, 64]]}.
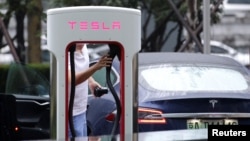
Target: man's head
{"points": [[79, 44]]}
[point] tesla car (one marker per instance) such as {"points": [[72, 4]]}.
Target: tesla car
{"points": [[178, 91], [26, 104]]}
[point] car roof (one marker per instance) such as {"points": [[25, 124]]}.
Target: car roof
{"points": [[180, 57]]}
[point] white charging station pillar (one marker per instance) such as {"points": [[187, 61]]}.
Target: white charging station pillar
{"points": [[101, 24]]}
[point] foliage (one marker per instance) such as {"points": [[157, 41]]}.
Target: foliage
{"points": [[159, 20]]}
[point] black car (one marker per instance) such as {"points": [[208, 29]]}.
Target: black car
{"points": [[25, 105]]}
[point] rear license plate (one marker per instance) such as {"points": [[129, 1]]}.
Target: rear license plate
{"points": [[203, 123]]}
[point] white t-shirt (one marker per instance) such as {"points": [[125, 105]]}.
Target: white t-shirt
{"points": [[81, 90]]}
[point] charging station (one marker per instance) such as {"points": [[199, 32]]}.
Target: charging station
{"points": [[94, 24]]}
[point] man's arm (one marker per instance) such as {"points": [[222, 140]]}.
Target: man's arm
{"points": [[86, 74], [93, 84]]}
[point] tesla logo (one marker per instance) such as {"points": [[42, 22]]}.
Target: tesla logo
{"points": [[213, 102], [94, 25]]}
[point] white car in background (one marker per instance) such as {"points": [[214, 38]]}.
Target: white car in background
{"points": [[221, 49], [238, 9]]}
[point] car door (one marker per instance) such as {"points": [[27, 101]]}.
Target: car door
{"points": [[31, 92]]}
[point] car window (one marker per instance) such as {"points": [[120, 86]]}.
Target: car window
{"points": [[191, 78], [215, 49], [24, 80]]}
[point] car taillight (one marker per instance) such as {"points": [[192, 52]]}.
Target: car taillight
{"points": [[145, 116], [111, 116], [16, 129], [148, 116]]}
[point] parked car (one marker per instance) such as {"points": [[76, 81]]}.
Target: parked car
{"points": [[237, 9], [26, 99], [179, 91], [222, 49]]}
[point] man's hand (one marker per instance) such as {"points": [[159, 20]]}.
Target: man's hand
{"points": [[105, 61], [93, 84]]}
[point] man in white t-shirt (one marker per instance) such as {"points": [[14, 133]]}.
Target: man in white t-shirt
{"points": [[83, 80]]}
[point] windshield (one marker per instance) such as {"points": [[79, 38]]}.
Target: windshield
{"points": [[191, 78], [24, 80]]}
